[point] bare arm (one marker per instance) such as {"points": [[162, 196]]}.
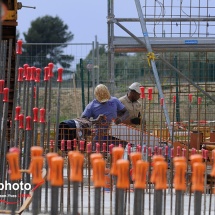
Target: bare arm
{"points": [[122, 115]]}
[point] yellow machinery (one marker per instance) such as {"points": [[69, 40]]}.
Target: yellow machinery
{"points": [[9, 33]]}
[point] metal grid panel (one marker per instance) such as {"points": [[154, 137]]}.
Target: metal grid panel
{"points": [[176, 18]]}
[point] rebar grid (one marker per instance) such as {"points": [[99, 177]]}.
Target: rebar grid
{"points": [[179, 18]]}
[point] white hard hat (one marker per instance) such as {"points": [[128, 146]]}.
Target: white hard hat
{"points": [[135, 86], [102, 93]]}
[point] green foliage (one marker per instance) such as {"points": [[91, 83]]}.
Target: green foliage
{"points": [[48, 29]]}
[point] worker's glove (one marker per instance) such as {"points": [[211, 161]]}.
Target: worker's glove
{"points": [[135, 121], [117, 121], [101, 117]]}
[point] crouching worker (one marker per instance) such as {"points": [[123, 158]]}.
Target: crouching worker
{"points": [[71, 129], [102, 111], [130, 101]]}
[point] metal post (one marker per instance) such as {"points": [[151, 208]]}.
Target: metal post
{"points": [[88, 86], [93, 70], [97, 61], [82, 83], [177, 95], [89, 70], [111, 73]]}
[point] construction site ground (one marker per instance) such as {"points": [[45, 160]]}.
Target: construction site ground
{"points": [[107, 205]]}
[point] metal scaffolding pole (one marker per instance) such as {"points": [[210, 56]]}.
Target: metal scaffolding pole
{"points": [[149, 49], [111, 47]]}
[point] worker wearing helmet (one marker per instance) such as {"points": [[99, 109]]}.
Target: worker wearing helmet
{"points": [[103, 110], [105, 107], [130, 101]]}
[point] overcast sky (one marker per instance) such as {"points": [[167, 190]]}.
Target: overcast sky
{"points": [[85, 18]]}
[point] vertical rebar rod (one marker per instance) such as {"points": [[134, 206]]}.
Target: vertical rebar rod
{"points": [[13, 141], [120, 200], [178, 203], [75, 197], [161, 121], [149, 176], [211, 191], [205, 180], [171, 156], [111, 186], [50, 75], [28, 130], [82, 195], [97, 201], [3, 138], [159, 202], [37, 81], [197, 202], [88, 159], [23, 102], [116, 197], [137, 201], [3, 58], [35, 206], [60, 70], [54, 200], [31, 103], [46, 187], [68, 188], [42, 140], [26, 112], [16, 135]]}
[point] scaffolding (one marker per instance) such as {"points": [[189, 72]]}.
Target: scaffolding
{"points": [[178, 31], [171, 26]]}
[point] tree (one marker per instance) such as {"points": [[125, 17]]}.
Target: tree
{"points": [[50, 30]]}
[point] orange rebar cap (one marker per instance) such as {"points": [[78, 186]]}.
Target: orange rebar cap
{"points": [[36, 151], [198, 177], [213, 167], [13, 161], [117, 153], [76, 162], [180, 159], [160, 175], [49, 156], [135, 156], [99, 172], [57, 171], [36, 169], [94, 157], [156, 158], [179, 178], [122, 174], [140, 174], [196, 158]]}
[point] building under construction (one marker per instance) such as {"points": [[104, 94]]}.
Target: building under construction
{"points": [[165, 166]]}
